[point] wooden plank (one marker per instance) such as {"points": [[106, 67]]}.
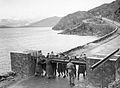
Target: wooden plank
{"points": [[103, 60], [66, 61], [102, 56]]}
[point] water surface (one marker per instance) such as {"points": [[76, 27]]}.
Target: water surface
{"points": [[35, 38]]}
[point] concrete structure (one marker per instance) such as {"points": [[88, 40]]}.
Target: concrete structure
{"points": [[102, 75], [22, 64], [116, 82], [117, 66]]}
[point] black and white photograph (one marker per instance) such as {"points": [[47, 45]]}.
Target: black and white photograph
{"points": [[59, 43]]}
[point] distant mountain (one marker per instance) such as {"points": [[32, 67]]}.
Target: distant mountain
{"points": [[48, 22], [9, 23]]}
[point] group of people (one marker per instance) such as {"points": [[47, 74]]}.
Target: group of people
{"points": [[46, 67]]}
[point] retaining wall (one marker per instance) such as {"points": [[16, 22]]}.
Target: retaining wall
{"points": [[22, 64], [116, 82], [101, 76], [95, 41]]}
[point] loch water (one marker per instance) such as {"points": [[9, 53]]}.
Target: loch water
{"points": [[35, 38]]}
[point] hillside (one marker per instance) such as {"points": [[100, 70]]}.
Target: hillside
{"points": [[73, 23], [117, 12], [48, 22], [91, 28], [72, 20], [107, 10]]}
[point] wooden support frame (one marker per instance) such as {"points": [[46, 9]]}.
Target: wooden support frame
{"points": [[66, 61]]}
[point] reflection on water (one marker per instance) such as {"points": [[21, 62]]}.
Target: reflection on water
{"points": [[36, 38]]}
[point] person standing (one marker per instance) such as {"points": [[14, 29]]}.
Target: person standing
{"points": [[54, 64], [71, 70], [84, 57], [49, 69], [75, 70], [48, 55], [38, 64], [52, 56], [82, 68]]}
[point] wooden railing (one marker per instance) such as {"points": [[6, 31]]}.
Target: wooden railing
{"points": [[103, 60]]}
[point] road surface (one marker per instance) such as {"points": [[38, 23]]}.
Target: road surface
{"points": [[59, 82], [105, 47]]}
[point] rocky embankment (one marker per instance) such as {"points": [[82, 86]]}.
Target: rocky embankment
{"points": [[85, 25], [91, 27]]}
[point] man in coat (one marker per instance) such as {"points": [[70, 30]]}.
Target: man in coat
{"points": [[71, 70]]}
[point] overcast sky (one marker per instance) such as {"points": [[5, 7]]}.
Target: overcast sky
{"points": [[45, 8]]}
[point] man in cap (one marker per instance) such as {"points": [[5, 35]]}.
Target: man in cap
{"points": [[71, 69]]}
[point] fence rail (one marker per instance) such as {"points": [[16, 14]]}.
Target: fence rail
{"points": [[103, 60]]}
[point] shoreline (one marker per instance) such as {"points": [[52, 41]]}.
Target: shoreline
{"points": [[113, 23], [95, 41]]}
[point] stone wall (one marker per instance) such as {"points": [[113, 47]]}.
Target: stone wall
{"points": [[23, 64], [102, 75], [116, 82]]}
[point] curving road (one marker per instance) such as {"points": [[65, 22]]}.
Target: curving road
{"points": [[104, 47]]}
